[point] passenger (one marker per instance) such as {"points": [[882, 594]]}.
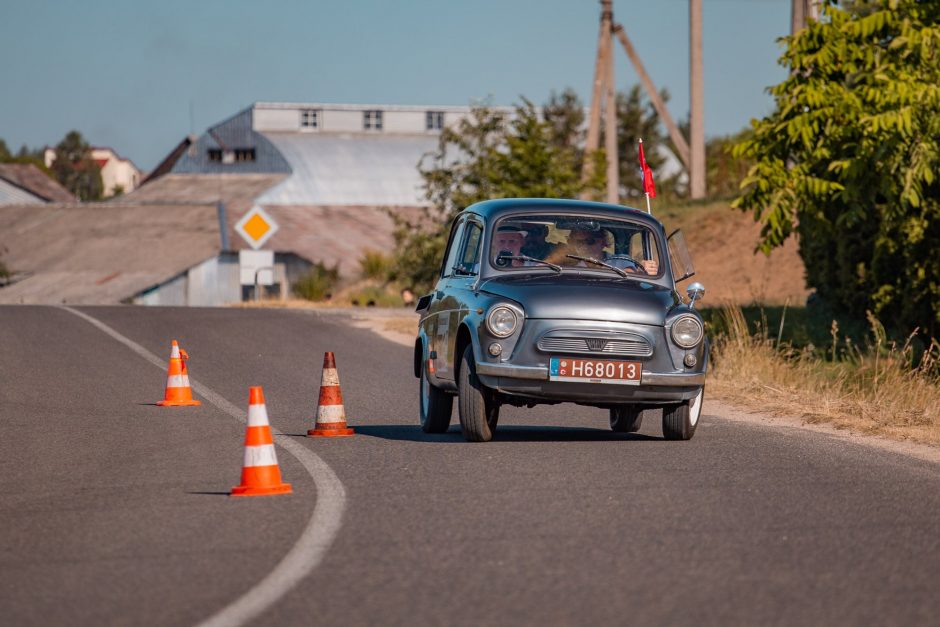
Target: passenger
{"points": [[535, 245], [507, 241], [592, 244]]}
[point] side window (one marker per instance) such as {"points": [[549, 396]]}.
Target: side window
{"points": [[453, 249], [470, 260]]}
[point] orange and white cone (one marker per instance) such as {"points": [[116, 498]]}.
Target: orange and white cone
{"points": [[178, 393], [261, 475], [331, 416]]}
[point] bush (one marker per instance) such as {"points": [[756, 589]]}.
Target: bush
{"points": [[375, 265], [318, 282]]}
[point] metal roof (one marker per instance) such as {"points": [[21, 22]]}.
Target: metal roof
{"points": [[30, 178], [101, 252], [350, 169], [233, 134]]}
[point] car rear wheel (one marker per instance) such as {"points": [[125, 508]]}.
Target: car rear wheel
{"points": [[436, 406], [626, 419], [679, 421], [476, 405]]}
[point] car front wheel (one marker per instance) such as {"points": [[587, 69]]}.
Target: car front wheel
{"points": [[626, 419], [679, 421], [476, 406], [436, 406]]}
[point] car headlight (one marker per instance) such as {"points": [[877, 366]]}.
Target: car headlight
{"points": [[687, 331], [502, 321]]}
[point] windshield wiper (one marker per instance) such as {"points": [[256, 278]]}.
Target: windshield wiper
{"points": [[598, 262], [553, 266]]}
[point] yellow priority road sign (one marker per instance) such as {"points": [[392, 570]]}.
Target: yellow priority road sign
{"points": [[256, 227]]}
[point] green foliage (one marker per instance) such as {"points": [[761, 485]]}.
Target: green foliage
{"points": [[487, 156], [318, 282], [4, 151], [375, 265], [75, 169], [849, 160], [375, 296], [636, 118], [724, 170]]}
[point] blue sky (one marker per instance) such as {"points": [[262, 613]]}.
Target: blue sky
{"points": [[126, 74]]}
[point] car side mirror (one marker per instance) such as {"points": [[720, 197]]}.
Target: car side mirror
{"points": [[695, 291]]}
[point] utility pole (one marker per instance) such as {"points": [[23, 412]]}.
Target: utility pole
{"points": [[592, 142], [801, 11], [678, 140], [610, 128], [697, 116]]}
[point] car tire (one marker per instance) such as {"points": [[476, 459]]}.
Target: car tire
{"points": [[477, 409], [680, 421], [435, 405], [626, 419]]}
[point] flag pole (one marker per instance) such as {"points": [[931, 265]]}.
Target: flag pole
{"points": [[649, 188]]}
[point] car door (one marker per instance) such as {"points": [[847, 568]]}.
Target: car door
{"points": [[460, 289], [437, 323]]}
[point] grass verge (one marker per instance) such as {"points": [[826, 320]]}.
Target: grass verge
{"points": [[881, 388]]}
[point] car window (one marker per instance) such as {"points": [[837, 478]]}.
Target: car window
{"points": [[453, 249], [558, 238], [469, 261]]}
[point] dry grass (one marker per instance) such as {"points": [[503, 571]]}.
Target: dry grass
{"points": [[876, 390]]}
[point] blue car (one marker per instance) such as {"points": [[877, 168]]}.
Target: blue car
{"points": [[544, 301]]}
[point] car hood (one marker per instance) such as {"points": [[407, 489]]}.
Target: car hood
{"points": [[582, 297]]}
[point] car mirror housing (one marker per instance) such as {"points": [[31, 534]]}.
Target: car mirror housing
{"points": [[695, 291]]}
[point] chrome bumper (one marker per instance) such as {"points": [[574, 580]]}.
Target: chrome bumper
{"points": [[541, 373]]}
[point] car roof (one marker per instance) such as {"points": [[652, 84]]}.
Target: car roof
{"points": [[495, 208]]}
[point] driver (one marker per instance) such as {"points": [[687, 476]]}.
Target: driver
{"points": [[507, 241]]}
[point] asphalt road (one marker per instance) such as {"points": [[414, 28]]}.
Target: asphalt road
{"points": [[115, 511]]}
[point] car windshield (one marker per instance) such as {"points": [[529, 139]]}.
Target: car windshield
{"points": [[560, 241]]}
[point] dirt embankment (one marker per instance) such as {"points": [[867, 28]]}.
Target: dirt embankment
{"points": [[722, 242]]}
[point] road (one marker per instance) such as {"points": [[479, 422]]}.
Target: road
{"points": [[115, 511]]}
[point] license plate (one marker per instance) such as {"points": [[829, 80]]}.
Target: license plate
{"points": [[595, 371]]}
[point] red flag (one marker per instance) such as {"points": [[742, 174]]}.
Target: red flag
{"points": [[648, 186]]}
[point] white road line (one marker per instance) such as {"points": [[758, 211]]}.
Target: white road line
{"points": [[317, 536]]}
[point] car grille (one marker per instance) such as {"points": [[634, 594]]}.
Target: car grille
{"points": [[632, 345]]}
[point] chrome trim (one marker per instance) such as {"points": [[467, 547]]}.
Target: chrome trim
{"points": [[541, 373], [673, 380], [638, 347], [514, 372]]}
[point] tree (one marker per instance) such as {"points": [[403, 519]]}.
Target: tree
{"points": [[636, 118], [849, 160], [75, 169], [487, 155], [724, 170], [4, 151]]}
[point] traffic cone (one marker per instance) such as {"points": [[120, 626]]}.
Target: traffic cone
{"points": [[261, 475], [331, 417], [178, 393]]}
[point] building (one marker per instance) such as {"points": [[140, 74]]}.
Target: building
{"points": [[118, 175], [24, 183], [329, 175]]}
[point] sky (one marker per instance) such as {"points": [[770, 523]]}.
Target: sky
{"points": [[139, 76]]}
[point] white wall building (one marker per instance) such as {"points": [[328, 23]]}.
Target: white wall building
{"points": [[117, 173]]}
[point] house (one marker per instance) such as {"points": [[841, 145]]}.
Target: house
{"points": [[118, 175]]}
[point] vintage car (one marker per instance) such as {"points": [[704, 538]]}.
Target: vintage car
{"points": [[543, 301]]}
